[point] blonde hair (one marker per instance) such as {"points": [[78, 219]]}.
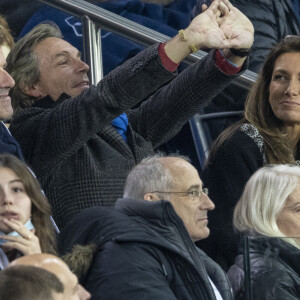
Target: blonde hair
{"points": [[5, 34], [263, 199]]}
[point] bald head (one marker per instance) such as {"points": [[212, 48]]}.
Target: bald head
{"points": [[45, 261], [29, 282], [53, 264]]}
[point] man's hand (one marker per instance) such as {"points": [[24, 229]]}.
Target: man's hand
{"points": [[219, 26], [204, 30], [237, 28]]}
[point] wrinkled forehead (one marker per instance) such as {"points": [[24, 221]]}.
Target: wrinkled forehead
{"points": [[184, 173], [52, 47]]}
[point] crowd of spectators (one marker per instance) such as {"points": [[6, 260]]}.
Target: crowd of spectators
{"points": [[89, 206]]}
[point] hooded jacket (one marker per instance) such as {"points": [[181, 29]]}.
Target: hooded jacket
{"points": [[8, 144], [143, 252]]}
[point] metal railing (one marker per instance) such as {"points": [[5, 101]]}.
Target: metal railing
{"points": [[201, 135], [114, 23]]}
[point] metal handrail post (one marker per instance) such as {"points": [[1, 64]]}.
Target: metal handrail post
{"points": [[92, 49], [131, 30]]}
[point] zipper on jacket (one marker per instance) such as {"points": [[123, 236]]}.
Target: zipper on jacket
{"points": [[183, 234]]}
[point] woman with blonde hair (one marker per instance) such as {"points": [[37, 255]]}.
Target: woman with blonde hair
{"points": [[25, 226], [269, 214]]}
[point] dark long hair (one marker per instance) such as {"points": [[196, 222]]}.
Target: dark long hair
{"points": [[40, 207], [259, 113]]}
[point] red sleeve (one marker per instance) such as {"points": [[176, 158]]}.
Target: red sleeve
{"points": [[166, 61], [224, 65]]}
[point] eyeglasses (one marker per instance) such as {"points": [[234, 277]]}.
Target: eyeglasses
{"points": [[290, 37], [192, 194]]}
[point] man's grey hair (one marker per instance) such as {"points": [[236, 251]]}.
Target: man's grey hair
{"points": [[150, 175], [23, 65]]}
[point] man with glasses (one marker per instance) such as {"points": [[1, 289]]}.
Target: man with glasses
{"points": [[145, 246]]}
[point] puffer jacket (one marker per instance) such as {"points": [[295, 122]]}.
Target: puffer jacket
{"points": [[143, 251], [275, 270]]}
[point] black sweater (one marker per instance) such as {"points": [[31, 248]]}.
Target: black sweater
{"points": [[275, 270], [225, 177]]}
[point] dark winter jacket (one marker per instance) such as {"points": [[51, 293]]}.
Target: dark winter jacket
{"points": [[8, 144], [149, 255], [79, 157], [275, 270]]}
